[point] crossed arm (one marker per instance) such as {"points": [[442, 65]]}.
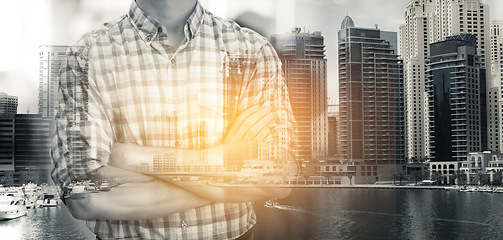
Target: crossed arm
{"points": [[141, 196], [144, 197]]}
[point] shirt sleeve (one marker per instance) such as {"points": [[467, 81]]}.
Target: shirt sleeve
{"points": [[82, 135]]}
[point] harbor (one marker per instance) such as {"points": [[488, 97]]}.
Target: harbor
{"points": [[326, 213], [321, 211], [16, 201]]}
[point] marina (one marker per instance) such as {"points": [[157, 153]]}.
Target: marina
{"points": [[328, 213]]}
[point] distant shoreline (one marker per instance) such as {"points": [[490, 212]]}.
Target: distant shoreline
{"points": [[371, 186], [367, 186]]}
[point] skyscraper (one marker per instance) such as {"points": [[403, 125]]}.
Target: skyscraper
{"points": [[453, 86], [496, 72], [369, 95], [305, 66], [429, 21], [8, 104], [24, 148], [7, 124], [415, 36], [51, 58], [8, 109], [32, 146]]}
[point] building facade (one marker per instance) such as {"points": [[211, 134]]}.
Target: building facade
{"points": [[496, 71], [369, 96], [454, 99], [32, 148], [305, 67], [51, 58], [8, 104], [24, 149], [7, 127], [493, 120], [429, 21]]}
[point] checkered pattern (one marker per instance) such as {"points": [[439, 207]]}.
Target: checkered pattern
{"points": [[122, 82]]}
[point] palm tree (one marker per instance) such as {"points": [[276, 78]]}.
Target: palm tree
{"points": [[436, 177], [457, 176], [479, 177]]}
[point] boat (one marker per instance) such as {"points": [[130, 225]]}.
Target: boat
{"points": [[30, 203], [271, 203], [105, 186], [12, 205], [47, 200], [485, 189], [30, 191], [451, 188]]}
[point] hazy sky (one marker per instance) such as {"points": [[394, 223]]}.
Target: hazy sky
{"points": [[27, 24]]}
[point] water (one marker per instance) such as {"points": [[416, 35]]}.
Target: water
{"points": [[45, 223], [328, 214], [382, 214]]}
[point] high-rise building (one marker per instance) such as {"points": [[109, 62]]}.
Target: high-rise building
{"points": [[32, 145], [454, 99], [493, 120], [369, 96], [496, 97], [51, 58], [402, 146], [7, 124], [8, 104], [429, 21], [415, 36], [24, 148], [305, 67]]}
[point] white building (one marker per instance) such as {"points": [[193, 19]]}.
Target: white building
{"points": [[482, 168], [429, 21], [8, 103], [496, 71], [51, 58]]}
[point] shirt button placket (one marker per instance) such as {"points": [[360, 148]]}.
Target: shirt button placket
{"points": [[184, 225]]}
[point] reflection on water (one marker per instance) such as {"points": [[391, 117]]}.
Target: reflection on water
{"points": [[382, 214], [314, 213], [45, 223]]}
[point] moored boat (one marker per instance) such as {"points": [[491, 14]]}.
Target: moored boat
{"points": [[49, 200], [12, 205]]}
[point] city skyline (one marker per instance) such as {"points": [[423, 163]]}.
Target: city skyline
{"points": [[413, 133], [19, 69]]}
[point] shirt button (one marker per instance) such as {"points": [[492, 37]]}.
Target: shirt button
{"points": [[176, 100], [184, 225], [149, 38]]}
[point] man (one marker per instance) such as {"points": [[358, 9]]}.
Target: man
{"points": [[164, 62]]}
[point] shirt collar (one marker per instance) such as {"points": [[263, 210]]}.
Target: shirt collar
{"points": [[148, 27]]}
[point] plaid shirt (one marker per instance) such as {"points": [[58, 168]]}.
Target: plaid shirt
{"points": [[120, 84]]}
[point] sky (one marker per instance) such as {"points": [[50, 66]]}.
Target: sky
{"points": [[31, 23]]}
